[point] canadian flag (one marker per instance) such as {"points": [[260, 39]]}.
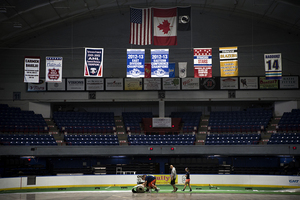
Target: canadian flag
{"points": [[165, 26]]}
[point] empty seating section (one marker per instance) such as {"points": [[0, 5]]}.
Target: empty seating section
{"points": [[284, 138], [91, 139], [14, 120], [161, 139], [190, 120], [27, 139], [132, 120], [290, 121], [85, 122], [233, 139], [239, 121]]}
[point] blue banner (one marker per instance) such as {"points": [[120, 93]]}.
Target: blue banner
{"points": [[93, 62], [171, 70], [159, 63], [135, 63]]}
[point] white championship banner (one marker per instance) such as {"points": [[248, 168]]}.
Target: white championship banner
{"points": [[273, 66], [54, 69], [32, 69]]}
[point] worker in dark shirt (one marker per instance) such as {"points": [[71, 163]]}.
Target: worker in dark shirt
{"points": [[149, 183]]}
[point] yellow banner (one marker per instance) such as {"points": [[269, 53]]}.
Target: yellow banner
{"points": [[164, 179], [228, 53], [229, 68]]}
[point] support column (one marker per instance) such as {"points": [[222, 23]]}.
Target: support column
{"points": [[161, 108]]}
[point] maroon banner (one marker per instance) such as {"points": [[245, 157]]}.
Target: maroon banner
{"points": [[147, 70], [202, 62]]}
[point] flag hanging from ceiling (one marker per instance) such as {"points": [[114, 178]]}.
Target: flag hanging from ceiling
{"points": [[93, 62], [171, 70], [184, 18], [32, 69], [273, 66], [140, 26], [147, 70], [165, 26], [54, 69], [228, 61], [159, 63], [135, 63], [202, 62], [182, 69]]}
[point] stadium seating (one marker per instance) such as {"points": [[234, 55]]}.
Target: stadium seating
{"points": [[239, 121], [132, 120], [290, 121], [91, 139], [232, 139], [161, 139], [14, 120], [190, 120], [27, 139], [284, 138], [85, 122]]}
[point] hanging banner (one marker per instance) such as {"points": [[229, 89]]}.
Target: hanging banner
{"points": [[135, 63], [148, 70], [229, 68], [273, 66], [93, 62], [228, 53], [159, 63], [182, 69], [32, 69], [171, 70], [54, 69], [202, 62]]}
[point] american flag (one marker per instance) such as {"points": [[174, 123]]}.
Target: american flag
{"points": [[140, 26]]}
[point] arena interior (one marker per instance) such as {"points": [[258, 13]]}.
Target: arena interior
{"points": [[73, 134]]}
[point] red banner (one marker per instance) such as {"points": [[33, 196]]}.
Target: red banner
{"points": [[147, 70], [202, 62]]}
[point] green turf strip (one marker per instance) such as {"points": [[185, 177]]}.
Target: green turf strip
{"points": [[168, 189]]}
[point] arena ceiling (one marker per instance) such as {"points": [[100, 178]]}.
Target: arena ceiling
{"points": [[20, 19]]}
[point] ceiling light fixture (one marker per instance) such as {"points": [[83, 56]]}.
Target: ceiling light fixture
{"points": [[17, 25], [2, 10]]}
